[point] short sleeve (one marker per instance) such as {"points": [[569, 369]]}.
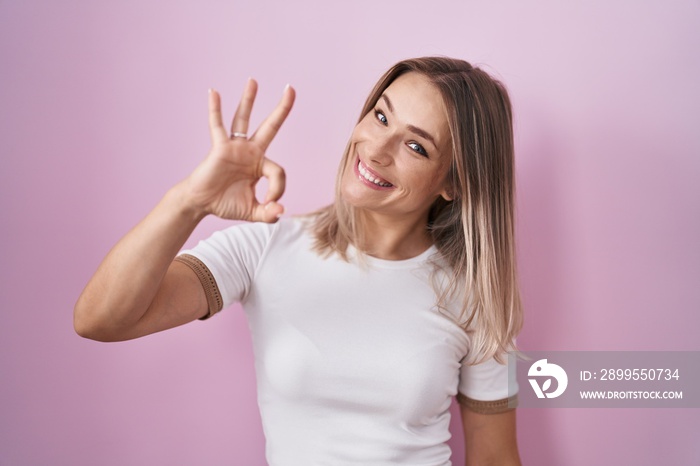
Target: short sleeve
{"points": [[226, 262], [488, 387]]}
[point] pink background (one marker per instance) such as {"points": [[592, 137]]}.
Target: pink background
{"points": [[103, 107]]}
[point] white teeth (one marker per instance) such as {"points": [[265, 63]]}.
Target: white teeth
{"points": [[366, 175]]}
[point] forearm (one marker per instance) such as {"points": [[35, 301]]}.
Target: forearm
{"points": [[127, 280]]}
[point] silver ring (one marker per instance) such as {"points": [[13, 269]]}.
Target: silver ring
{"points": [[239, 135]]}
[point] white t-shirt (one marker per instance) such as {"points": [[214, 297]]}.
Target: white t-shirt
{"points": [[354, 363]]}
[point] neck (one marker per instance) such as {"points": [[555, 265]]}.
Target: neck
{"points": [[393, 238]]}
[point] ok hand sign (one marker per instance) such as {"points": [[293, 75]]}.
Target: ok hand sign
{"points": [[224, 183]]}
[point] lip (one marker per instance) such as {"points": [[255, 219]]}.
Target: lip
{"points": [[373, 173]]}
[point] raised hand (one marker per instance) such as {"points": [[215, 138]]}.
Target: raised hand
{"points": [[224, 183], [138, 289]]}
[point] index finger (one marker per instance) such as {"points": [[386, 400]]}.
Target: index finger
{"points": [[272, 124]]}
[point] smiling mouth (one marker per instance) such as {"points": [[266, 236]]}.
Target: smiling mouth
{"points": [[371, 177]]}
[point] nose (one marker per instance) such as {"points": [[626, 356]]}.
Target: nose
{"points": [[382, 151]]}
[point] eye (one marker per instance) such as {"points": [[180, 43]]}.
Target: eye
{"points": [[418, 148], [380, 116]]}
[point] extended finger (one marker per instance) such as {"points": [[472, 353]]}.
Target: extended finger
{"points": [[269, 128], [216, 125], [242, 117]]}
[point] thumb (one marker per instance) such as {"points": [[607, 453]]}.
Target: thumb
{"points": [[268, 213]]}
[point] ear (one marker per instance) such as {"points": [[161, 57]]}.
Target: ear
{"points": [[446, 196], [448, 185], [448, 192]]}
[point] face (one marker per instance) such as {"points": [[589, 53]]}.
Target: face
{"points": [[400, 151]]}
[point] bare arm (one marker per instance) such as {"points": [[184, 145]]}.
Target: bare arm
{"points": [[138, 289], [490, 439]]}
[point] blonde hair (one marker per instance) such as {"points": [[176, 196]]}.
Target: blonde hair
{"points": [[474, 233]]}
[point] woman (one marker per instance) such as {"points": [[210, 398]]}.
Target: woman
{"points": [[369, 315]]}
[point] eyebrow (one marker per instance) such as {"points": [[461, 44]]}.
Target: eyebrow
{"points": [[414, 129]]}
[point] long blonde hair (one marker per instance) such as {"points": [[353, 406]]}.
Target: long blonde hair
{"points": [[474, 233]]}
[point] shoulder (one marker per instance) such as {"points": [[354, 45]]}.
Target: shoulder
{"points": [[260, 232], [283, 239]]}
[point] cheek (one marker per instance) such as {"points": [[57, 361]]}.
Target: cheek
{"points": [[365, 129], [427, 183]]}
